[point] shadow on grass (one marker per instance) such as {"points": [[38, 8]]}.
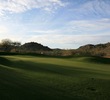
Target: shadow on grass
{"points": [[92, 59], [100, 60], [49, 68], [20, 86], [5, 61]]}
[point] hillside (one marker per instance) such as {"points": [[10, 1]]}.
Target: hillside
{"points": [[95, 50], [8, 46], [34, 46], [15, 47]]}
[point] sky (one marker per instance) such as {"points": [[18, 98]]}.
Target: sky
{"points": [[65, 24]]}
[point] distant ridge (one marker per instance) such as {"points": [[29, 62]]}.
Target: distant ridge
{"points": [[8, 46], [98, 50]]}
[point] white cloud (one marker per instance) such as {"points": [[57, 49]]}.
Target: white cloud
{"points": [[18, 6], [54, 31], [60, 40], [74, 34], [89, 26], [80, 27], [3, 30], [68, 41]]}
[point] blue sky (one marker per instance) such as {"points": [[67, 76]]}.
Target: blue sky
{"points": [[56, 23]]}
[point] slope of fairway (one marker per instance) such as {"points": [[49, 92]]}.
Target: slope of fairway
{"points": [[48, 78]]}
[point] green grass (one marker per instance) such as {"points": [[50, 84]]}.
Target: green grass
{"points": [[48, 78]]}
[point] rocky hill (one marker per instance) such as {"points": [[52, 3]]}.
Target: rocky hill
{"points": [[34, 46], [97, 50]]}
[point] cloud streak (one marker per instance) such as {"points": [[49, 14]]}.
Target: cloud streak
{"points": [[19, 6], [92, 9], [75, 34], [89, 26], [68, 41]]}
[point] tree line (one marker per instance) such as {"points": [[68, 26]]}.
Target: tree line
{"points": [[7, 45]]}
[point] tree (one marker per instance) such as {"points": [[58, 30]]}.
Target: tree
{"points": [[15, 46], [6, 45]]}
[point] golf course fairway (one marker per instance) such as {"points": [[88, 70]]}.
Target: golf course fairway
{"points": [[24, 77]]}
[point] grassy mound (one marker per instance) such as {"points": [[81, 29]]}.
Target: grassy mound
{"points": [[99, 60], [47, 78]]}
